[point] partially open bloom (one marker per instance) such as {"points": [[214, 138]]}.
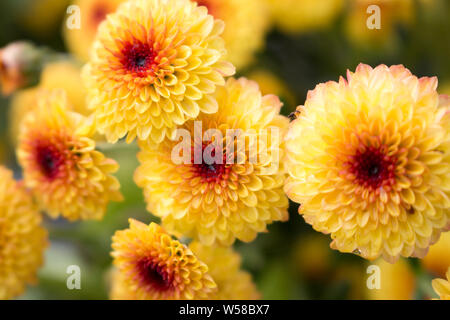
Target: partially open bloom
{"points": [[92, 13], [369, 159], [225, 268], [246, 24], [22, 239], [60, 164], [437, 259], [303, 15], [237, 192], [442, 287], [153, 266], [155, 65]]}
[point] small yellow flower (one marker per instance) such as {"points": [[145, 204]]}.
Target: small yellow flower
{"points": [[93, 12], [224, 267], [369, 159], [22, 239], [442, 287], [155, 65], [224, 200], [437, 259], [153, 266], [303, 15], [397, 281], [60, 164], [246, 23]]}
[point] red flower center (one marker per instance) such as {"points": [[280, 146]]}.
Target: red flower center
{"points": [[49, 159], [372, 167], [210, 171], [207, 4], [155, 275], [99, 13], [138, 58]]}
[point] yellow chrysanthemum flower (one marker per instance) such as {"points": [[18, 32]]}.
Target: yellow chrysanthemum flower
{"points": [[437, 259], [442, 287], [369, 159], [224, 267], [303, 15], [397, 281], [60, 164], [93, 12], [22, 239], [56, 75], [238, 193], [155, 64], [392, 12], [246, 24], [154, 266]]}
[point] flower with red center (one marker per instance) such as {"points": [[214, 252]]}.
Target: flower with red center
{"points": [[22, 238], [92, 12], [369, 159], [220, 197], [442, 286], [153, 266], [60, 164], [242, 37], [155, 65]]}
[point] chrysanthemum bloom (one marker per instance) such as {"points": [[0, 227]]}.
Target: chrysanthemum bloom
{"points": [[246, 24], [303, 15], [56, 75], [442, 287], [92, 13], [437, 259], [225, 268], [60, 164], [22, 240], [238, 193], [369, 159], [154, 266], [155, 65]]}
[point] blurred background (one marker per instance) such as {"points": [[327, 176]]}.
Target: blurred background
{"points": [[303, 43]]}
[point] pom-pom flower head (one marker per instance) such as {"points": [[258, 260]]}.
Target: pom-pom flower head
{"points": [[153, 266], [155, 65], [442, 287], [369, 158], [235, 194], [22, 240], [61, 166]]}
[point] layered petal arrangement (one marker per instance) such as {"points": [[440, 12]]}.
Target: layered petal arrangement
{"points": [[153, 266], [246, 26], [155, 65], [225, 268], [22, 238], [442, 286], [237, 192], [369, 158], [66, 174]]}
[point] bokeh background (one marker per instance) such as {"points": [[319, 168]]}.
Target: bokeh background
{"points": [[306, 42]]}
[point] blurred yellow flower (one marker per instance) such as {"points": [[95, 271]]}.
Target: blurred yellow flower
{"points": [[60, 164], [155, 65], [442, 287], [437, 259], [392, 12], [303, 15], [56, 75], [153, 266], [93, 12], [223, 200], [246, 23], [224, 267], [368, 159], [397, 281], [22, 239]]}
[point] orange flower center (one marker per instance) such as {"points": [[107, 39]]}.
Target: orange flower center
{"points": [[207, 4], [154, 275], [48, 158], [372, 167], [98, 14], [138, 58]]}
